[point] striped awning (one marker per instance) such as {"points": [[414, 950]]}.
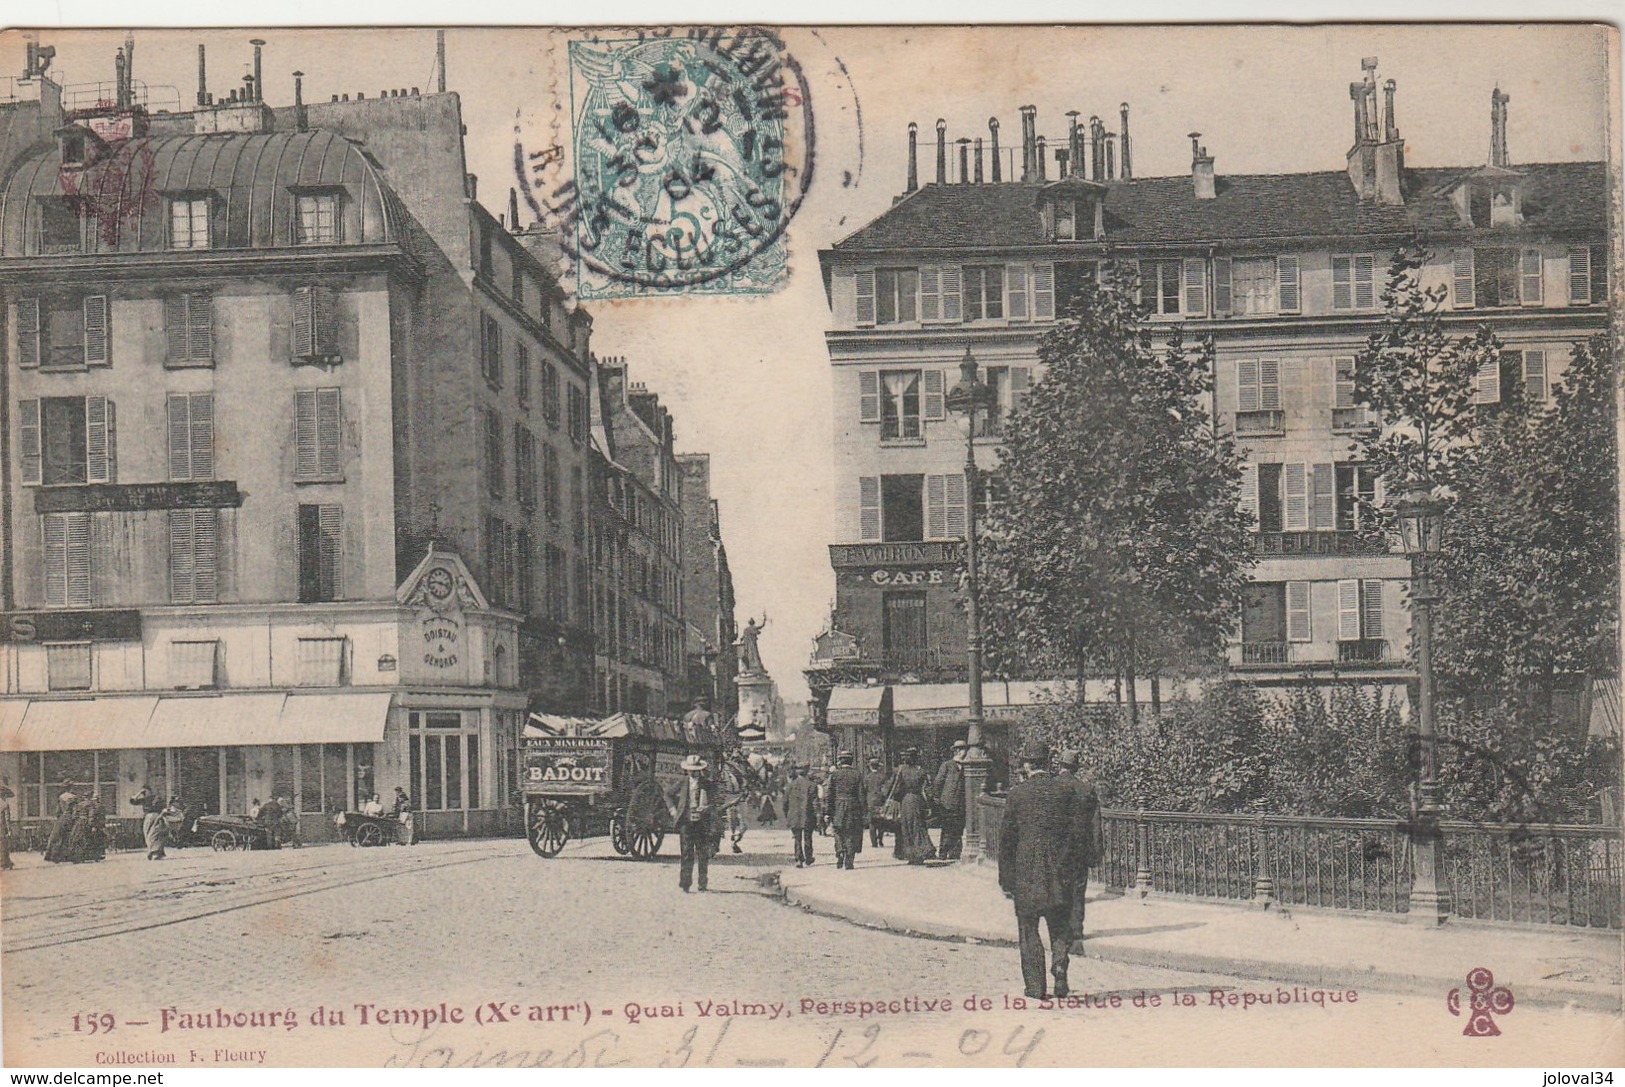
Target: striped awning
{"points": [[856, 707], [136, 722]]}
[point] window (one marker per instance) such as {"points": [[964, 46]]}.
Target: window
{"points": [[1258, 398], [67, 440], [318, 424], [1359, 619], [524, 467], [1274, 614], [67, 559], [194, 548], [1356, 497], [1535, 386], [1254, 287], [583, 593], [444, 758], [1290, 497], [189, 222], [910, 508], [46, 775], [64, 333], [315, 336], [67, 666], [1160, 285], [521, 375], [195, 666], [550, 483], [983, 292], [518, 278], [1066, 220], [491, 350], [1527, 366], [578, 421], [191, 436], [498, 558], [1010, 385], [317, 222], [60, 228], [903, 630], [189, 329], [334, 777], [550, 393], [1354, 282], [491, 425], [1588, 275], [944, 507], [1347, 414], [578, 507], [487, 265], [321, 548], [896, 294], [1500, 277], [900, 403], [1070, 276], [320, 662], [558, 589]]}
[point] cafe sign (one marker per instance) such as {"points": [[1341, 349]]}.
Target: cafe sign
{"points": [[891, 555]]}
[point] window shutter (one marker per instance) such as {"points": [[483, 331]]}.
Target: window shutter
{"points": [[1044, 291], [1015, 291], [868, 396], [98, 348], [1269, 384], [176, 326], [1463, 294], [78, 542], [1532, 278], [865, 282], [304, 322], [28, 443], [1324, 490], [1195, 286], [1580, 275], [98, 440], [869, 509], [306, 462], [1348, 611], [326, 322], [936, 507], [182, 585], [205, 555], [952, 296], [1342, 283], [1249, 491], [1247, 385], [930, 293], [1297, 611], [1511, 373], [1295, 485], [1371, 608], [955, 504], [1021, 382], [1599, 275], [1286, 283], [1222, 301], [329, 423], [330, 519], [200, 326], [55, 530], [202, 413], [931, 395], [1488, 383], [180, 437], [28, 332], [1534, 376], [1343, 383], [1365, 270]]}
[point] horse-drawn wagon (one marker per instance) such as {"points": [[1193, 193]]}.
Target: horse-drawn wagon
{"points": [[583, 778]]}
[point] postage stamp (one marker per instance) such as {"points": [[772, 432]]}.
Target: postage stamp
{"points": [[692, 151]]}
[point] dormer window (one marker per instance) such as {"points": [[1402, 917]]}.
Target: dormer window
{"points": [[1066, 220], [317, 218], [189, 221], [73, 149], [1492, 197], [60, 230]]}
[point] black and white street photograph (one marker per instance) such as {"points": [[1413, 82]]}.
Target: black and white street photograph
{"points": [[782, 547]]}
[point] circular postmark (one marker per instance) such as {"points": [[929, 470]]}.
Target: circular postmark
{"points": [[690, 151]]}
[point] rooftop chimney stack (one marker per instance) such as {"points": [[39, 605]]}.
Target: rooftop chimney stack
{"points": [[1029, 133], [1376, 162], [202, 79], [913, 157], [998, 166], [942, 151], [301, 119], [259, 84], [978, 160], [1202, 169], [513, 210], [964, 159], [1498, 128], [440, 58], [1097, 158], [1390, 125], [1111, 155], [1128, 169], [1062, 160], [1074, 143], [120, 101], [1043, 175]]}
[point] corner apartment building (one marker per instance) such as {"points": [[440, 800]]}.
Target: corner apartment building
{"points": [[708, 592], [293, 460], [1284, 271]]}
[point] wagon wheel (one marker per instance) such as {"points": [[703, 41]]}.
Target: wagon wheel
{"points": [[617, 834], [223, 841], [644, 810], [646, 842], [549, 830], [369, 834]]}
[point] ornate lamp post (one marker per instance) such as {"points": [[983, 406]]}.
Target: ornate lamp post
{"points": [[1420, 518], [966, 400]]}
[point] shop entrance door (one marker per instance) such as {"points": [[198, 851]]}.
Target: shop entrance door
{"points": [[903, 631], [197, 773]]}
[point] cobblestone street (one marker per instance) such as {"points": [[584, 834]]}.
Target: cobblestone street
{"points": [[466, 925]]}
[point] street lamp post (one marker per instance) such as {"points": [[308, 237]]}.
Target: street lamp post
{"points": [[966, 400], [1420, 517]]}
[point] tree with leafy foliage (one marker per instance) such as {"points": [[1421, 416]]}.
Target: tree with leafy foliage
{"points": [[1120, 545]]}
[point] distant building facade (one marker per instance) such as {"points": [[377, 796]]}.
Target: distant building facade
{"points": [[708, 591]]}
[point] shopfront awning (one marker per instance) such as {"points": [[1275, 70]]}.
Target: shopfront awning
{"points": [[855, 707], [225, 720], [947, 705]]}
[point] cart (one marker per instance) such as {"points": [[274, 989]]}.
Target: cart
{"points": [[584, 778], [360, 829], [227, 833]]}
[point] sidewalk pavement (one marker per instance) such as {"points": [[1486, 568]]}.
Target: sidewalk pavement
{"points": [[1322, 948]]}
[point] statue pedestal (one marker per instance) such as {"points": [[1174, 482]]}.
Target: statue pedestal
{"points": [[755, 699]]}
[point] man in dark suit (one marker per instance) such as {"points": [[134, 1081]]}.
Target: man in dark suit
{"points": [[1037, 860], [950, 791], [874, 784], [849, 809], [800, 813], [1088, 843], [691, 813]]}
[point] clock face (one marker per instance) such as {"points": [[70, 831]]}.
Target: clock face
{"points": [[438, 583]]}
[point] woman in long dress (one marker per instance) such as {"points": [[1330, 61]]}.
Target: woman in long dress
{"points": [[909, 786], [87, 841], [56, 846]]}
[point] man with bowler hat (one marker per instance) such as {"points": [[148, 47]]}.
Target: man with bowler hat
{"points": [[1088, 844], [691, 814], [874, 784], [1037, 860], [800, 813], [950, 791], [849, 809]]}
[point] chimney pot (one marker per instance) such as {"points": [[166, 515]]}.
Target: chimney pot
{"points": [[335, 98], [913, 158], [415, 92], [942, 151], [1128, 171], [259, 87], [978, 160], [964, 157], [1042, 168], [1202, 179], [993, 128]]}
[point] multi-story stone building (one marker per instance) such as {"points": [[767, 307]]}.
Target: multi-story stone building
{"points": [[292, 472], [1284, 271], [708, 591]]}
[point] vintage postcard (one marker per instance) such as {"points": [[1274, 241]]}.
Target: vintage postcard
{"points": [[810, 546]]}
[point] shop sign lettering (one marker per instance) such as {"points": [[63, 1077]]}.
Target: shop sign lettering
{"points": [[909, 577], [440, 637]]}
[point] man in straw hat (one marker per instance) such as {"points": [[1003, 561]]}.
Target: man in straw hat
{"points": [[1038, 837], [849, 809], [691, 814]]}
